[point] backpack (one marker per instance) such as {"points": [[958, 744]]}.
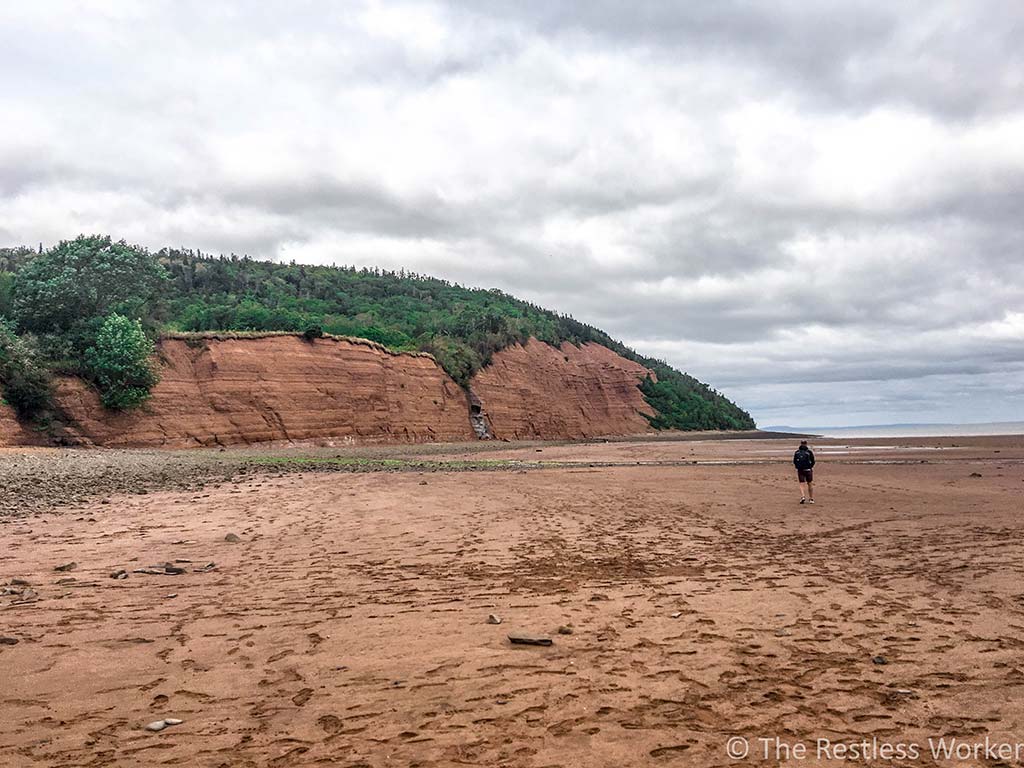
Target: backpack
{"points": [[803, 459]]}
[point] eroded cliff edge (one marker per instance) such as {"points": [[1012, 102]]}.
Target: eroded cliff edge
{"points": [[542, 392], [234, 391]]}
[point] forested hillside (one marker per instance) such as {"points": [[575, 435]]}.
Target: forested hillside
{"points": [[177, 290]]}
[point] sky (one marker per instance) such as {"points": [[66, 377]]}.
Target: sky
{"points": [[816, 207]]}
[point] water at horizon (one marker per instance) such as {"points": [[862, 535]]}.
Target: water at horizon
{"points": [[922, 430]]}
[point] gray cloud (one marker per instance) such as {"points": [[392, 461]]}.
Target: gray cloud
{"points": [[813, 207]]}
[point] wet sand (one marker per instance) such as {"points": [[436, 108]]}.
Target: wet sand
{"points": [[348, 625]]}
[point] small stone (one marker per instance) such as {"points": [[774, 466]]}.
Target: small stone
{"points": [[677, 614], [565, 630], [233, 538], [880, 660], [66, 567], [8, 640], [975, 474], [522, 638], [493, 618], [782, 633], [423, 482], [205, 569], [597, 596], [172, 595], [19, 583], [119, 574], [158, 725], [173, 570]]}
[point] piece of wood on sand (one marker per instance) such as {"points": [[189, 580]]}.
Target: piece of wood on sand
{"points": [[526, 638]]}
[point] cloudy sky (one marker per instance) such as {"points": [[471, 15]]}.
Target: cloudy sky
{"points": [[814, 206]]}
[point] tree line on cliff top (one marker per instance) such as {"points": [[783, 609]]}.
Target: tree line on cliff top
{"points": [[92, 306]]}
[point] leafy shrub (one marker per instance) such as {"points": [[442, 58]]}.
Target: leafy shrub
{"points": [[88, 277], [23, 375], [119, 363], [313, 332]]}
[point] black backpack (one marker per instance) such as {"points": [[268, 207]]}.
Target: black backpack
{"points": [[803, 459]]}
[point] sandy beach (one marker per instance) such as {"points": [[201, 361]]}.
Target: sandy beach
{"points": [[688, 597]]}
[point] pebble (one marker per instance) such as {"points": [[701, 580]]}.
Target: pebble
{"points": [[66, 567], [159, 725], [677, 614], [782, 633], [119, 574], [565, 630], [880, 660], [233, 538], [9, 641], [493, 618]]}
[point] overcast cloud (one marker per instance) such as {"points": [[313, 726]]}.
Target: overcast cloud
{"points": [[814, 207]]}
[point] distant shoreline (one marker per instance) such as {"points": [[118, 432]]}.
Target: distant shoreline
{"points": [[980, 429]]}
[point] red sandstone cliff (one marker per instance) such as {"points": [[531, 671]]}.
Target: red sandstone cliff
{"points": [[13, 432], [249, 390], [538, 391], [279, 388]]}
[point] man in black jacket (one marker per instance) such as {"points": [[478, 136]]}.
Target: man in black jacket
{"points": [[803, 460]]}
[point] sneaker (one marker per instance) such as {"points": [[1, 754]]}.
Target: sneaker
{"points": [[810, 501], [803, 501]]}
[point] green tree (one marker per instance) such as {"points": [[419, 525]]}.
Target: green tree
{"points": [[24, 376], [119, 363], [88, 277]]}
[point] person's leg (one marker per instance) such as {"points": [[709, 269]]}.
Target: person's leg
{"points": [[810, 491], [803, 492]]}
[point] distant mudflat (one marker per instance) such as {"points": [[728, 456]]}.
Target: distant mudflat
{"points": [[322, 606]]}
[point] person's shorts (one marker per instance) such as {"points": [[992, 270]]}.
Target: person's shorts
{"points": [[805, 475]]}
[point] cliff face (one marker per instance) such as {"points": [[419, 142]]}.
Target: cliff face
{"points": [[283, 388], [538, 391], [238, 391], [13, 432]]}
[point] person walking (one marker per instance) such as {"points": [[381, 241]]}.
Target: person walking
{"points": [[803, 460]]}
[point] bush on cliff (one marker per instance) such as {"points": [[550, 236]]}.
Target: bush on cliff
{"points": [[82, 279], [119, 363], [24, 376]]}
